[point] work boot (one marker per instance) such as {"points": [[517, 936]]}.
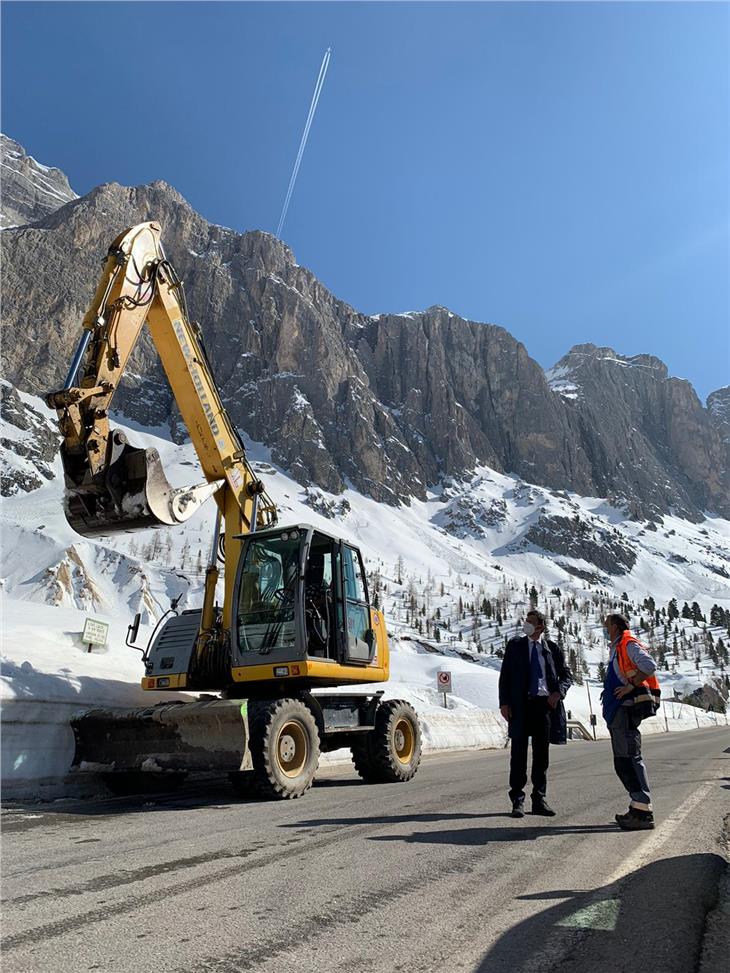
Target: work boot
{"points": [[518, 809], [541, 806], [635, 820]]}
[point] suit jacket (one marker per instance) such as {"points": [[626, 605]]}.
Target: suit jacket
{"points": [[514, 680]]}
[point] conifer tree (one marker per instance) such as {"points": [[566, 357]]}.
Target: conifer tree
{"points": [[717, 616]]}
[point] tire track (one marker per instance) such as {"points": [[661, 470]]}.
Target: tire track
{"points": [[323, 839]]}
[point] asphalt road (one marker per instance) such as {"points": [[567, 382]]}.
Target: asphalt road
{"points": [[431, 875]]}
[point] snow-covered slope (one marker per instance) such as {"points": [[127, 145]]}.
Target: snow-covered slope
{"points": [[454, 573]]}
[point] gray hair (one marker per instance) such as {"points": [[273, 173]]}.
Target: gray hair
{"points": [[619, 621]]}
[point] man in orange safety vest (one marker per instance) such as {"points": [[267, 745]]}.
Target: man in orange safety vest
{"points": [[630, 694]]}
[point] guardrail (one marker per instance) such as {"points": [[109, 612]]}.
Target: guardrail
{"points": [[582, 730]]}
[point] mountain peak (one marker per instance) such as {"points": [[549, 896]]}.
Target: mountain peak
{"points": [[591, 360], [31, 190]]}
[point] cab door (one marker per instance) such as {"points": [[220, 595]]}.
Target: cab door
{"points": [[359, 636]]}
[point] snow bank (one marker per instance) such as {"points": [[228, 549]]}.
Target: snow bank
{"points": [[46, 675]]}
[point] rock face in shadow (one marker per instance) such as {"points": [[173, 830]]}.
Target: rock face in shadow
{"points": [[28, 445], [576, 538], [718, 406], [390, 403]]}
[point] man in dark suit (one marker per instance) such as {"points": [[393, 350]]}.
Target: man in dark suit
{"points": [[532, 685]]}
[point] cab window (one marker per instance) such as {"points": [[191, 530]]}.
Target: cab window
{"points": [[357, 610], [354, 578], [266, 600]]}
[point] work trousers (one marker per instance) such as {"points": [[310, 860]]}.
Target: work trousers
{"points": [[537, 726], [627, 759]]}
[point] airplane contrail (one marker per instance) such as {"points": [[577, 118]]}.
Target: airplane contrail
{"points": [[305, 135]]}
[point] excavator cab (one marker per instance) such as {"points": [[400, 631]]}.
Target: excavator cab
{"points": [[302, 607]]}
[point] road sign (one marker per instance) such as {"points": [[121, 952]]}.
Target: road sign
{"points": [[95, 632], [443, 681]]}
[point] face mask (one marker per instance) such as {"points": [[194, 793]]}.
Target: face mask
{"points": [[528, 628], [606, 636]]}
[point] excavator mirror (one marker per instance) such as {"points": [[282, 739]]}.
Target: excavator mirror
{"points": [[133, 631]]}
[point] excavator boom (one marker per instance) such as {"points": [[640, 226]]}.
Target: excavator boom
{"points": [[110, 484]]}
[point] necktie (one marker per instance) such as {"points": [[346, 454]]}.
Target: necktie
{"points": [[535, 671]]}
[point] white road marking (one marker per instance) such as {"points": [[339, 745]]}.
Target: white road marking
{"points": [[559, 940], [648, 849], [598, 915]]}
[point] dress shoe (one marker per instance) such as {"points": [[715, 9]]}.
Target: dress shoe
{"points": [[542, 807], [518, 809], [635, 820]]}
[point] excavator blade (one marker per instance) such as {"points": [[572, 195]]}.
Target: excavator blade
{"points": [[207, 735], [132, 495]]}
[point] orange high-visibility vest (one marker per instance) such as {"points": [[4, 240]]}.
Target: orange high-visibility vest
{"points": [[648, 690]]}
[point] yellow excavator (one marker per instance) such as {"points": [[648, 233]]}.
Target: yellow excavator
{"points": [[295, 616]]}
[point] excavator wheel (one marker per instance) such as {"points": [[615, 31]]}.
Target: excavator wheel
{"points": [[129, 782], [284, 744], [392, 751]]}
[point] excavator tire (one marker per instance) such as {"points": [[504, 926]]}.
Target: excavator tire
{"points": [[127, 783], [284, 744], [391, 753]]}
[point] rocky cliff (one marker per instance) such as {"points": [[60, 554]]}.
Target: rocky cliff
{"points": [[636, 419], [30, 190], [389, 403], [718, 405]]}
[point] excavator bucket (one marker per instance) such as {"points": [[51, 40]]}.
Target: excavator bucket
{"points": [[132, 494], [177, 737]]}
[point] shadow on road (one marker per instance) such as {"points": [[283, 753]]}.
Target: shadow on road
{"points": [[484, 836], [199, 791], [339, 782], [652, 920], [199, 794], [393, 819]]}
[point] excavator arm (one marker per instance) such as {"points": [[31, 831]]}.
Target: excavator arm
{"points": [[111, 485]]}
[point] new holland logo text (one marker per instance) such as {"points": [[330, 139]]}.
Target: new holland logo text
{"points": [[195, 375]]}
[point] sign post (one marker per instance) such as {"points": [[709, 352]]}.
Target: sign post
{"points": [[95, 633], [590, 707], [443, 684]]}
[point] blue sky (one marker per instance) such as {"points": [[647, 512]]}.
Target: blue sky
{"points": [[558, 169]]}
